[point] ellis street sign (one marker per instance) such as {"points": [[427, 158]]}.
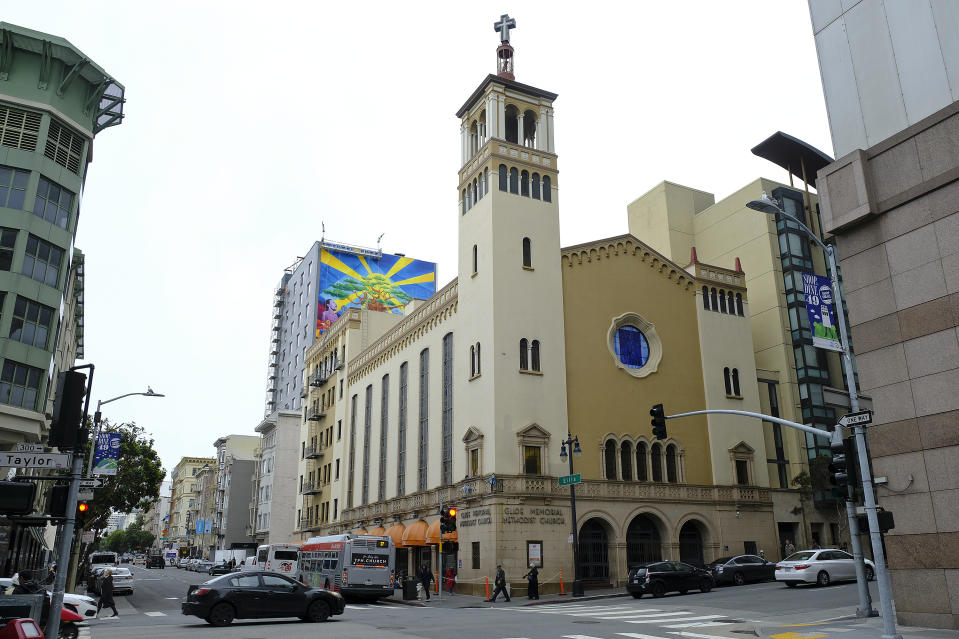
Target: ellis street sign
{"points": [[567, 480]]}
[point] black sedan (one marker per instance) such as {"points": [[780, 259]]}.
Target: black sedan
{"points": [[667, 576], [259, 595], [741, 568], [220, 569]]}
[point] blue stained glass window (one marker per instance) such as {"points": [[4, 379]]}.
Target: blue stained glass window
{"points": [[632, 347]]}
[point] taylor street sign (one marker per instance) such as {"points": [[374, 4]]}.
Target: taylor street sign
{"points": [[34, 460], [567, 480], [854, 419]]}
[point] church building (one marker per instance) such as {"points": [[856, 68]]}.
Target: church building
{"points": [[469, 398]]}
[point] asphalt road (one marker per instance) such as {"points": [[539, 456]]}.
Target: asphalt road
{"points": [[153, 612]]}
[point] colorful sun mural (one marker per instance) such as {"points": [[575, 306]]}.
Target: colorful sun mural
{"points": [[385, 284]]}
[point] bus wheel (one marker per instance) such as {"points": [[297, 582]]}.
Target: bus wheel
{"points": [[318, 611]]}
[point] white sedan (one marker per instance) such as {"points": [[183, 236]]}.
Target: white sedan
{"points": [[122, 580], [820, 567], [84, 606]]}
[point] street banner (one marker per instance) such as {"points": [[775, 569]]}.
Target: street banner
{"points": [[107, 453], [199, 526], [817, 290]]}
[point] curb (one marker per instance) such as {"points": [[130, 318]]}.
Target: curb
{"points": [[562, 599]]}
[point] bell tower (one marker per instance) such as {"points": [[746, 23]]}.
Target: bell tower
{"points": [[510, 335]]}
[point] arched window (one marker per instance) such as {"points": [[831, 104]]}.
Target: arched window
{"points": [[736, 382], [547, 189], [464, 202], [524, 183], [476, 195], [503, 178], [512, 124], [706, 298], [472, 361], [469, 196], [529, 129], [485, 180], [739, 304], [534, 354], [722, 301], [729, 386], [656, 461], [535, 186], [732, 303], [626, 460], [475, 259], [671, 476], [641, 462], [513, 180], [524, 354], [610, 458], [479, 360], [527, 253], [714, 299]]}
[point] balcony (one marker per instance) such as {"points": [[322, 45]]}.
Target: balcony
{"points": [[338, 366], [318, 379], [308, 524], [315, 415], [313, 452], [311, 487]]}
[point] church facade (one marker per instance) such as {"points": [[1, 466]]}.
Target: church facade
{"points": [[468, 399]]}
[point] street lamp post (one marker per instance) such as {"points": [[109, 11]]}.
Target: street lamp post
{"points": [[96, 421], [767, 205], [573, 443]]}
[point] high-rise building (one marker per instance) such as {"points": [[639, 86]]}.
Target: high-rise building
{"points": [[890, 75], [53, 100]]}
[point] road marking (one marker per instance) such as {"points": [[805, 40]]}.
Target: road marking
{"points": [[172, 598], [649, 616], [613, 610], [579, 637], [694, 635], [699, 624], [838, 629], [155, 614], [636, 635]]}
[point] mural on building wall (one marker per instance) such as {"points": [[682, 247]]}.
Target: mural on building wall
{"points": [[351, 280]]}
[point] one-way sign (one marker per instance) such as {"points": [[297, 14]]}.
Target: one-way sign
{"points": [[91, 483], [854, 419]]}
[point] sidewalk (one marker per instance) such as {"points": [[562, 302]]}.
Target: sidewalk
{"points": [[470, 601]]}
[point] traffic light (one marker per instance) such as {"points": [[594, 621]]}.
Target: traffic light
{"points": [[16, 497], [658, 421], [451, 520], [82, 507], [66, 427], [57, 503], [839, 465]]}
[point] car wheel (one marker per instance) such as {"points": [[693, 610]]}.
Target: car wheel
{"points": [[870, 573], [637, 595], [705, 585], [822, 579], [739, 579], [657, 589], [68, 631], [221, 614], [790, 584], [317, 612]]}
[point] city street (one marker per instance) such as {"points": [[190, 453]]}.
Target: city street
{"points": [[763, 609]]}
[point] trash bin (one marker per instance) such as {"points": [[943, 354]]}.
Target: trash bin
{"points": [[409, 589]]}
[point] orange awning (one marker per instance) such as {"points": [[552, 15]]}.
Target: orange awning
{"points": [[415, 534], [433, 534], [396, 532], [360, 531], [378, 531]]}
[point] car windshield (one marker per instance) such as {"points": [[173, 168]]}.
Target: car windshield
{"points": [[721, 560], [801, 556]]}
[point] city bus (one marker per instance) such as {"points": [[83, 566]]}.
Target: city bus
{"points": [[361, 566]]}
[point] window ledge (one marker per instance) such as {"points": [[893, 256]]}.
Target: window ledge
{"points": [[528, 268], [733, 396], [477, 376], [529, 372]]}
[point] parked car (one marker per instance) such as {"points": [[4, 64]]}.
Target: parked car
{"points": [[156, 561], [223, 568], [122, 580], [740, 569], [203, 565], [259, 595], [820, 567], [84, 606], [191, 562], [658, 578]]}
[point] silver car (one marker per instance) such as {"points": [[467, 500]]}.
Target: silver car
{"points": [[820, 567]]}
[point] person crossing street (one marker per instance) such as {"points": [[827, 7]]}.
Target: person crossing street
{"points": [[500, 583]]}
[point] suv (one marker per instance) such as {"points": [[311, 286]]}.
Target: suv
{"points": [[156, 561], [667, 576]]}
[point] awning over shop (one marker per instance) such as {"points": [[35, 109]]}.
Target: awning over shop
{"points": [[379, 531], [396, 532], [433, 534], [415, 534]]}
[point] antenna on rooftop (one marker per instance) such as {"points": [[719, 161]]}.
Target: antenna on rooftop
{"points": [[322, 232], [378, 240]]}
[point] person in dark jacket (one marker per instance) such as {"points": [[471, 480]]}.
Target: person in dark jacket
{"points": [[500, 582], [533, 575], [426, 578], [106, 594]]}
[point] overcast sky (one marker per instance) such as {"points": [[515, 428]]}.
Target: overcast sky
{"points": [[249, 124]]}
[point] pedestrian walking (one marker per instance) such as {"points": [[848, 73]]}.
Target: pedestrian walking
{"points": [[106, 594], [500, 582], [788, 549], [450, 578], [426, 578], [532, 592]]}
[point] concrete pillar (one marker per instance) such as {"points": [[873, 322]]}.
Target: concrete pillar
{"points": [[501, 117], [549, 127], [520, 132], [463, 143]]}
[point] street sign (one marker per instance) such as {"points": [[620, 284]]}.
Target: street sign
{"points": [[29, 448], [85, 495], [34, 460], [853, 419], [87, 537], [91, 483], [567, 480]]}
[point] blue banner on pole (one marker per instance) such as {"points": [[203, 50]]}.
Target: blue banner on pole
{"points": [[199, 526], [107, 454], [817, 290]]}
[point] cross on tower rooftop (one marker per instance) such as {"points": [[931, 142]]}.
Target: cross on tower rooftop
{"points": [[503, 26]]}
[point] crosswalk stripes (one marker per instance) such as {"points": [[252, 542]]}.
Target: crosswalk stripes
{"points": [[668, 621]]}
